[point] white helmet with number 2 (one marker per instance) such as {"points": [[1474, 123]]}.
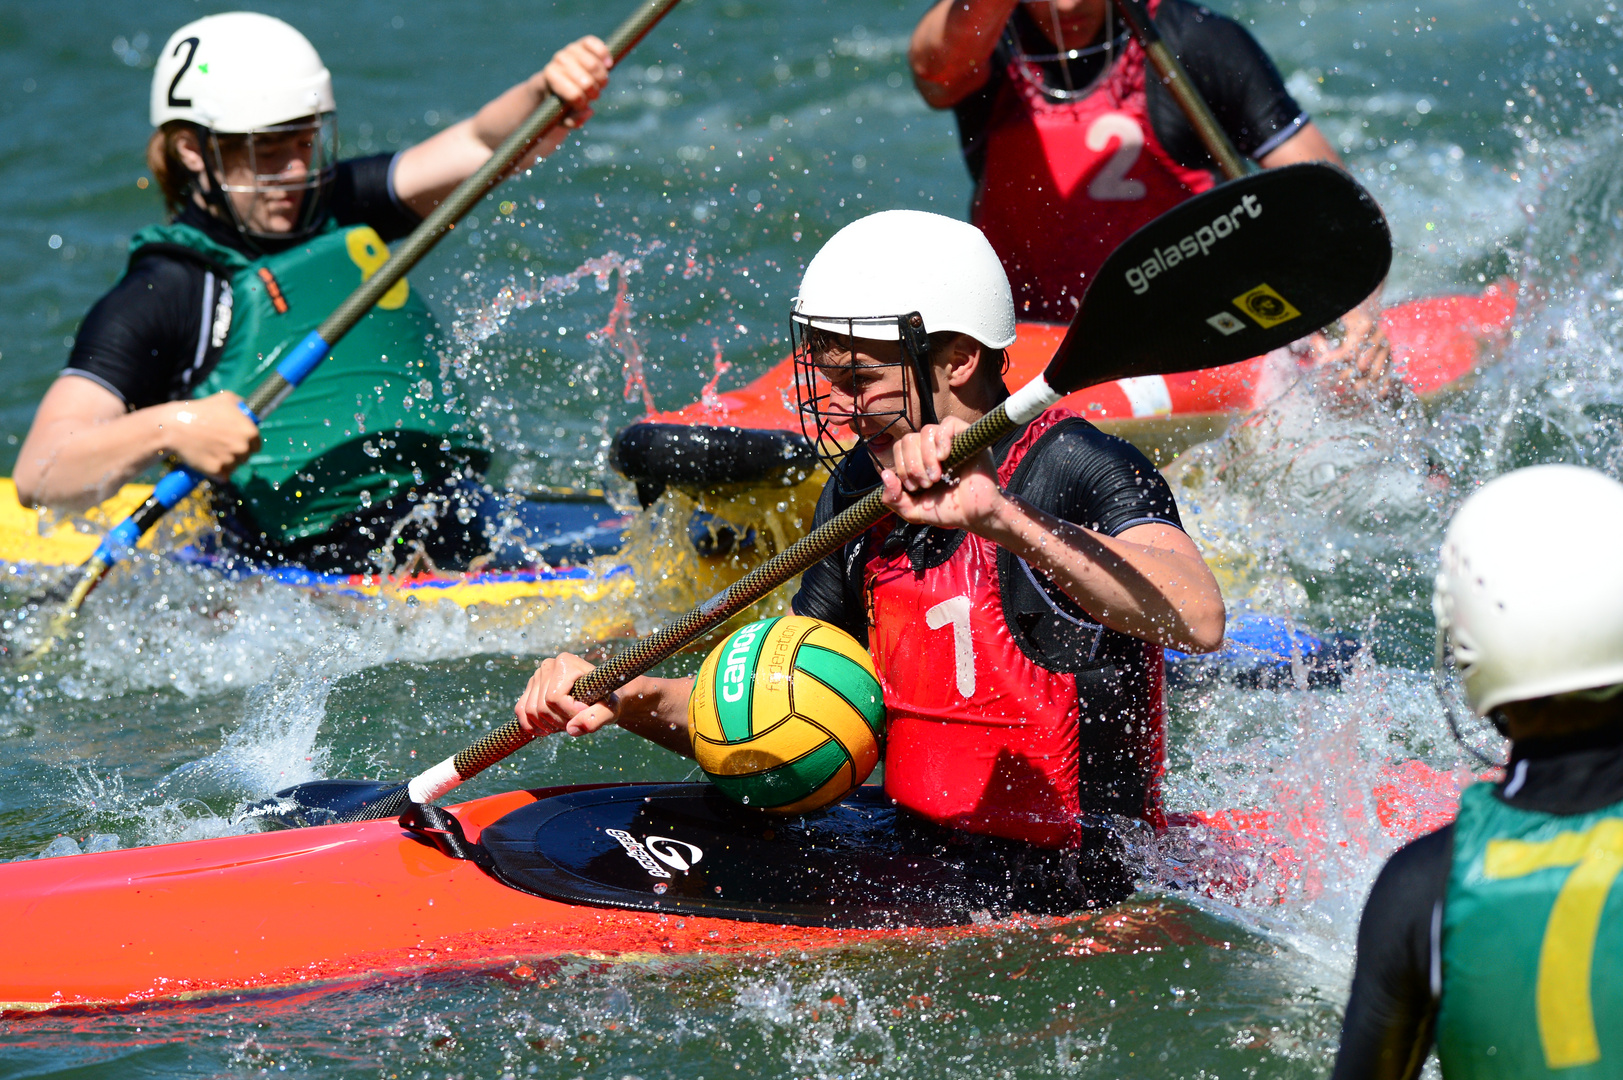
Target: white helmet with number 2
{"points": [[239, 72], [897, 262], [1530, 591]]}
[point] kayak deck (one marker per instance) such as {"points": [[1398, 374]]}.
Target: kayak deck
{"points": [[362, 903], [331, 904]]}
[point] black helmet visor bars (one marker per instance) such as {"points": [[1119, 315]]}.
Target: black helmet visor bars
{"points": [[825, 351], [271, 152]]}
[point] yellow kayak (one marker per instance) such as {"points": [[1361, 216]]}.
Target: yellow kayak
{"points": [[668, 559]]}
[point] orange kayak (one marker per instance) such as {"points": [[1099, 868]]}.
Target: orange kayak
{"points": [[627, 872], [334, 904], [1435, 343]]}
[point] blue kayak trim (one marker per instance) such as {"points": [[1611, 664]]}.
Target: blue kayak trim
{"points": [[233, 569]]}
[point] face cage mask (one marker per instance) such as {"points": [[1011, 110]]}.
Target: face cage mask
{"points": [[821, 425], [321, 135]]}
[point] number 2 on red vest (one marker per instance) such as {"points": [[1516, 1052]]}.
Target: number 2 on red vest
{"points": [[1111, 184], [955, 612]]}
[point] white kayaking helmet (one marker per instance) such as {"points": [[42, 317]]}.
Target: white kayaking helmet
{"points": [[245, 74], [898, 275], [1529, 596], [903, 262]]}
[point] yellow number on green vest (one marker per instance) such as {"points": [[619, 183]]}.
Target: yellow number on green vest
{"points": [[369, 252], [1566, 1017]]}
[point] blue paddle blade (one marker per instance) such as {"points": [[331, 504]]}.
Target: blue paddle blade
{"points": [[1245, 268]]}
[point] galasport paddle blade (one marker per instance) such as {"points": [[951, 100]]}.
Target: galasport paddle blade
{"points": [[1304, 267], [1245, 268]]}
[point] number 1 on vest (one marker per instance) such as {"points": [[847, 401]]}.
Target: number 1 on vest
{"points": [[956, 612]]}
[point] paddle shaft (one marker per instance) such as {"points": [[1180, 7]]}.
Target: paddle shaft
{"points": [[646, 652], [318, 344], [1176, 80]]}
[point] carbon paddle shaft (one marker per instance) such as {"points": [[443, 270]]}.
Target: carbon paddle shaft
{"points": [[310, 352], [1176, 80], [665, 642]]}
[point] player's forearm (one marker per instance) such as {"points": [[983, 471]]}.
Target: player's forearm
{"points": [[657, 709], [73, 463], [1165, 597], [952, 45], [431, 170]]}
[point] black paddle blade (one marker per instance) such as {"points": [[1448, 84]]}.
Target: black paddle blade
{"points": [[1249, 266], [323, 802]]}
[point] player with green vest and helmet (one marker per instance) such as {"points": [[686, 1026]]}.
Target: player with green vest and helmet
{"points": [[269, 233], [1500, 937]]}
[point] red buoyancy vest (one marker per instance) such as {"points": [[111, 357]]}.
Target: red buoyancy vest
{"points": [[979, 736], [1066, 182]]}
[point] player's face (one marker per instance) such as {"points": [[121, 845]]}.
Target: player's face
{"points": [[274, 169], [869, 393]]}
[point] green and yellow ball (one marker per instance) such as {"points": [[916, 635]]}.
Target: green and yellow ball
{"points": [[786, 715]]}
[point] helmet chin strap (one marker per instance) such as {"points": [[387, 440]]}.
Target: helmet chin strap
{"points": [[1442, 664], [916, 344], [1059, 41]]}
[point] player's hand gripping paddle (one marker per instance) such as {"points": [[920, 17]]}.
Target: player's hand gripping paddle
{"points": [[307, 354], [1245, 268]]}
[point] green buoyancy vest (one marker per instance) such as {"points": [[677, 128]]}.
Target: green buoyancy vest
{"points": [[1532, 944], [372, 420]]}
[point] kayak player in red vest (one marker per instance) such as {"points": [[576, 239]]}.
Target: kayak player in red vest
{"points": [[269, 233], [1072, 145], [1017, 615], [1498, 939]]}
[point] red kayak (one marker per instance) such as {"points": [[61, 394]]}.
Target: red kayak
{"points": [[615, 871], [752, 434], [1435, 342]]}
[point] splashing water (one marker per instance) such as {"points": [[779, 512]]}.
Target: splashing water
{"points": [[1321, 509], [719, 367], [475, 324], [275, 745], [1328, 507], [618, 333]]}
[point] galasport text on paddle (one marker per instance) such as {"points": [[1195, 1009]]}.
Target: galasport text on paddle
{"points": [[1230, 274], [304, 357]]}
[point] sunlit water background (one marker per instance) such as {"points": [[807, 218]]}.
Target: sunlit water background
{"points": [[730, 145]]}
